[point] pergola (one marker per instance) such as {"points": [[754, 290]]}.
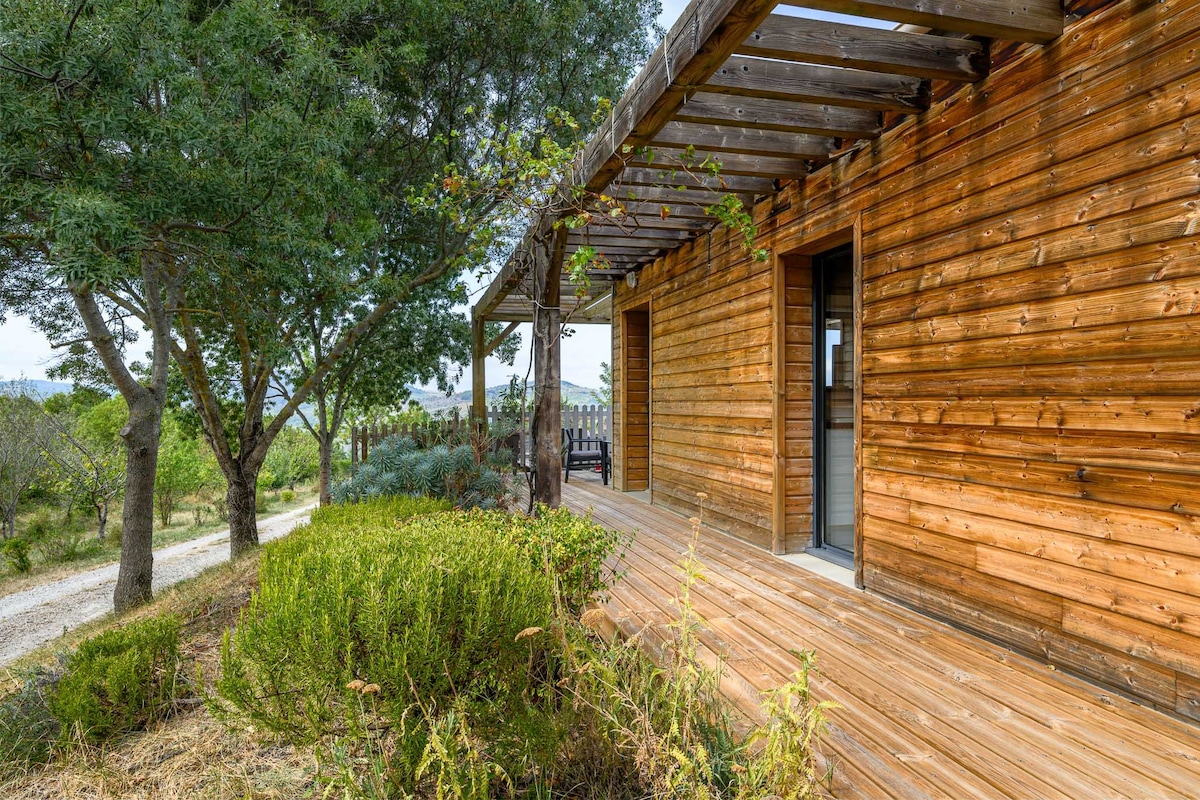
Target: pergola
{"points": [[773, 98]]}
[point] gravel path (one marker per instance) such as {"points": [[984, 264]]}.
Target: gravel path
{"points": [[33, 617]]}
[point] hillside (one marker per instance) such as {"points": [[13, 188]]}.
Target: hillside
{"points": [[435, 401]]}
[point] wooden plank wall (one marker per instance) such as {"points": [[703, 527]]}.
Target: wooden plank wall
{"points": [[798, 406], [711, 335], [632, 468], [1031, 353]]}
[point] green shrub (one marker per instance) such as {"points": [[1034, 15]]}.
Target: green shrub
{"points": [[58, 540], [28, 729], [16, 552], [287, 495], [424, 605], [574, 548], [119, 681]]}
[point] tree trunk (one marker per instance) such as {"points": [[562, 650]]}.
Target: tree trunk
{"points": [[141, 436], [243, 520], [325, 475], [547, 336], [10, 521]]}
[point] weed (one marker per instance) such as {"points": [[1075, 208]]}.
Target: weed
{"points": [[28, 728]]}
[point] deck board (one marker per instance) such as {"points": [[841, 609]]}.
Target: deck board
{"points": [[927, 710]]}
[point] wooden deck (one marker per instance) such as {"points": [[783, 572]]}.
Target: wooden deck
{"points": [[927, 711]]}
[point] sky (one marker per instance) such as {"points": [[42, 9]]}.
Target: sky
{"points": [[26, 353]]}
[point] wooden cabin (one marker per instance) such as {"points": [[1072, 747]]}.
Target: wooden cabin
{"points": [[969, 368]]}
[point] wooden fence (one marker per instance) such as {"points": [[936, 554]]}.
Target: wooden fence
{"points": [[585, 421]]}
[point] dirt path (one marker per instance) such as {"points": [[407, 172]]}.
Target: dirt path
{"points": [[30, 618]]}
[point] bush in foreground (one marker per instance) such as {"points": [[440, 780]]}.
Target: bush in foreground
{"points": [[428, 655], [110, 685]]}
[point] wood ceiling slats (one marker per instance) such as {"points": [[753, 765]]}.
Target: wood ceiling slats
{"points": [[836, 44], [640, 176], [810, 83], [801, 122], [731, 163], [1036, 21], [734, 136], [769, 97]]}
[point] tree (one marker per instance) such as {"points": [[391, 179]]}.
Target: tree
{"points": [[85, 447], [179, 470], [604, 394], [293, 457], [422, 341], [134, 141], [22, 454], [454, 161]]}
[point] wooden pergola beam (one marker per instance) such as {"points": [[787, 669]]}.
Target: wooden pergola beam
{"points": [[645, 224], [641, 176], [840, 45], [773, 121], [698, 43], [618, 250], [1036, 21], [642, 240], [731, 163], [747, 139], [810, 83], [491, 346], [667, 194]]}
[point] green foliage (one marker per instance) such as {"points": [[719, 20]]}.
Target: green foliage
{"points": [[292, 458], [58, 539], [180, 470], [469, 476], [390, 594], [28, 728], [574, 549], [287, 495], [119, 681], [16, 552]]}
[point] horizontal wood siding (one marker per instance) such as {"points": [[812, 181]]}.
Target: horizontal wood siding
{"points": [[711, 333], [1031, 354], [632, 472]]}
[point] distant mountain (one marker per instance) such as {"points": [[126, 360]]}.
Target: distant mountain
{"points": [[436, 401], [39, 388]]}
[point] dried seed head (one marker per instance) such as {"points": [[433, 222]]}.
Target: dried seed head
{"points": [[694, 520], [593, 619], [371, 688], [702, 495], [355, 685], [528, 633]]}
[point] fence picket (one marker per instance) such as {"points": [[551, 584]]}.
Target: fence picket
{"points": [[587, 421]]}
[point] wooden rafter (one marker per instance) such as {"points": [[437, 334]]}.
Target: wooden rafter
{"points": [[789, 122], [652, 222], [617, 239], [640, 176], [739, 137], [667, 194], [1036, 21], [811, 83], [840, 45], [731, 163]]}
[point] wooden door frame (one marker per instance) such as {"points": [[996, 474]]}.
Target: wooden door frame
{"points": [[850, 234]]}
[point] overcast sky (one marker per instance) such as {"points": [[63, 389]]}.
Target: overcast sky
{"points": [[25, 352]]}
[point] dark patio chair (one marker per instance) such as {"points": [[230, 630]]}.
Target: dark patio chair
{"points": [[581, 452]]}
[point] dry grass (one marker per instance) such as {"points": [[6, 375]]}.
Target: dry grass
{"points": [[191, 755]]}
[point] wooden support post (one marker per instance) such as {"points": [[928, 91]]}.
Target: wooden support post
{"points": [[547, 323], [478, 374]]}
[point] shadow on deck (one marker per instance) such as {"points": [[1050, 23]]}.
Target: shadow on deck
{"points": [[927, 710]]}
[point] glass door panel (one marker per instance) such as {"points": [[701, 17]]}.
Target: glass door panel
{"points": [[834, 400]]}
